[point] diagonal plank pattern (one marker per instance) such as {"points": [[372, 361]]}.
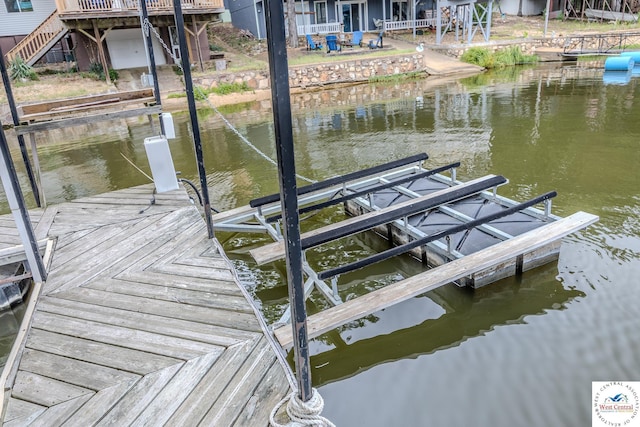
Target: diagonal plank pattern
{"points": [[141, 322]]}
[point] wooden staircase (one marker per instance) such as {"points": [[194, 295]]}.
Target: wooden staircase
{"points": [[43, 38]]}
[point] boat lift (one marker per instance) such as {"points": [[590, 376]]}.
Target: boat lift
{"points": [[464, 231]]}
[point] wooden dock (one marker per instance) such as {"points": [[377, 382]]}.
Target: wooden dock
{"points": [[141, 322]]}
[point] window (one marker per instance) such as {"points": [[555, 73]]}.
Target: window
{"points": [[399, 10], [321, 12], [18, 6]]}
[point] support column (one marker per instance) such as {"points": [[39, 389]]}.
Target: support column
{"points": [[36, 165], [19, 211], [281, 107], [146, 32], [196, 33], [188, 83], [103, 58], [16, 122]]}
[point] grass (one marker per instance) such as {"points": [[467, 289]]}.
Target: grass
{"points": [[55, 86], [321, 58], [394, 78], [201, 94]]}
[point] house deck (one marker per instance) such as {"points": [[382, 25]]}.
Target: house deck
{"points": [[141, 322]]}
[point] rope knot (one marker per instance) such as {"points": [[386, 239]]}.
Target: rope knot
{"points": [[301, 413]]}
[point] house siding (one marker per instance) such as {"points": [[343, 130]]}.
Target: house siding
{"points": [[243, 16], [529, 8], [11, 26]]}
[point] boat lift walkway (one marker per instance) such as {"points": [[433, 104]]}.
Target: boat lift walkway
{"points": [[141, 322]]}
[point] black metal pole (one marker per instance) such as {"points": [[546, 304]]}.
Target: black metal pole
{"points": [[146, 26], [281, 105], [19, 210], [186, 69], [16, 122]]}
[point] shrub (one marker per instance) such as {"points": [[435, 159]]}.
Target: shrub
{"points": [[20, 70], [95, 69], [478, 56], [500, 59], [513, 56], [227, 88]]}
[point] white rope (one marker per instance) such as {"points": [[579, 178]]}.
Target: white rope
{"points": [[148, 26], [302, 413]]}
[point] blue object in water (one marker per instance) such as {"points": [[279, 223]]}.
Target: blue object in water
{"points": [[634, 54], [619, 63], [616, 77]]}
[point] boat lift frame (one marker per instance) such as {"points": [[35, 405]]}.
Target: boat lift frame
{"points": [[263, 215]]}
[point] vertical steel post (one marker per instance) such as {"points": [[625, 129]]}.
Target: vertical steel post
{"points": [[19, 211], [16, 122], [281, 106], [146, 31], [186, 69]]}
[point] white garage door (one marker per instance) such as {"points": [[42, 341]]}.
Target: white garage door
{"points": [[126, 49]]}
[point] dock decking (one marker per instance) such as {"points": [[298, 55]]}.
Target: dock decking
{"points": [[141, 322]]}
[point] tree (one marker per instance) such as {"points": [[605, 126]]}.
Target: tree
{"points": [[291, 22]]}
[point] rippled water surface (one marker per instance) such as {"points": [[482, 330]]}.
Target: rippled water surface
{"points": [[520, 352]]}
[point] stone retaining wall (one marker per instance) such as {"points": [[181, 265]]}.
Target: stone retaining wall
{"points": [[530, 45], [350, 70]]}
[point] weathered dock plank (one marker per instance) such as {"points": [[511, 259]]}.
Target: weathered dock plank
{"points": [[22, 413], [265, 397], [138, 397], [377, 300], [174, 309], [31, 387], [114, 356], [160, 324], [225, 286], [57, 415], [72, 371], [194, 408], [204, 298], [116, 335], [142, 321], [176, 391], [228, 406], [92, 411]]}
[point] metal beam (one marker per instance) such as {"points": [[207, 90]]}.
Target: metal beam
{"points": [[281, 107], [16, 122], [18, 209], [195, 128]]}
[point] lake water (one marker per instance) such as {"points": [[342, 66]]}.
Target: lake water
{"points": [[520, 352]]}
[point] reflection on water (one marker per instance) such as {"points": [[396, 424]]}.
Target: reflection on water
{"points": [[517, 353], [441, 319]]}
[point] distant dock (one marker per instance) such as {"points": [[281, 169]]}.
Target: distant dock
{"points": [[141, 322]]}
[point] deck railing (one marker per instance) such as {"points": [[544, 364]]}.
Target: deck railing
{"points": [[36, 44], [428, 22], [337, 27], [97, 6], [332, 27]]}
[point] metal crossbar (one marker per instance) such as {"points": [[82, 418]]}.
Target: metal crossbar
{"points": [[355, 194], [600, 43], [342, 179], [394, 214], [420, 242]]}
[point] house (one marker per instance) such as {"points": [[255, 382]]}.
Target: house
{"points": [[347, 16], [18, 18], [106, 32]]}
